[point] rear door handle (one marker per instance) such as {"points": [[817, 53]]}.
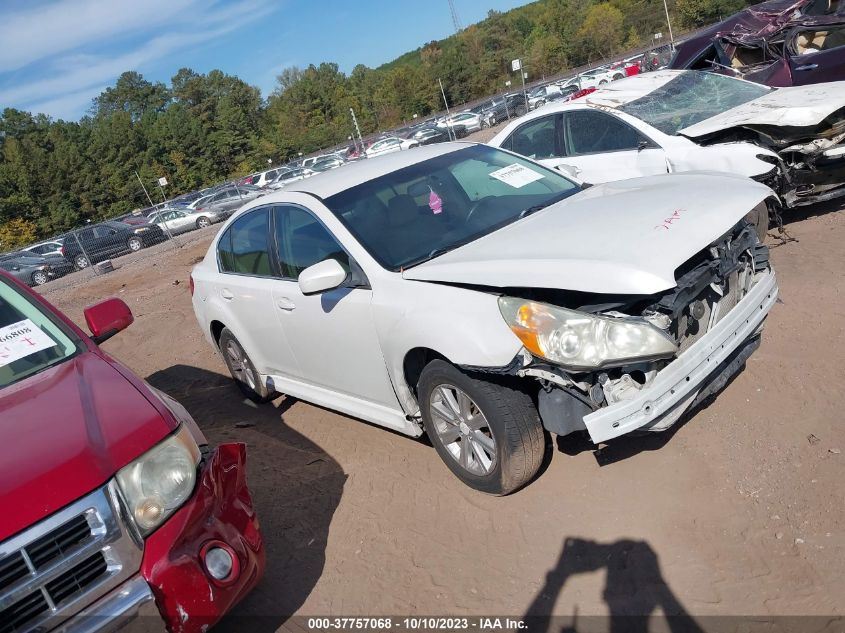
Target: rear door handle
{"points": [[285, 304], [807, 67], [226, 294]]}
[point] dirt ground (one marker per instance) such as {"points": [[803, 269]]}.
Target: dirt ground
{"points": [[739, 510]]}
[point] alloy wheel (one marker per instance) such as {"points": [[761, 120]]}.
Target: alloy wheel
{"points": [[463, 429], [39, 278], [240, 366]]}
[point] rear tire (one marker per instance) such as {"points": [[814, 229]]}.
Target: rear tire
{"points": [[242, 370], [488, 433], [203, 222], [80, 262]]}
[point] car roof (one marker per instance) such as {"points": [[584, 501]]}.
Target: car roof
{"points": [[329, 183]]}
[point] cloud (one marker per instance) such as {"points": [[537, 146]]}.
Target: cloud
{"points": [[80, 74], [68, 106], [42, 31]]}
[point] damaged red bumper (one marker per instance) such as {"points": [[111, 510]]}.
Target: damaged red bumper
{"points": [[219, 515]]}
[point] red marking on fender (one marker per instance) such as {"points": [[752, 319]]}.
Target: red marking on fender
{"points": [[671, 219]]}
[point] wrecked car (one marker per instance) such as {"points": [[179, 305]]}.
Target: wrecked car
{"points": [[777, 43], [483, 299], [117, 514], [791, 139]]}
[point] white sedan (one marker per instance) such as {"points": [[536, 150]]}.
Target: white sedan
{"points": [[676, 121], [470, 121], [389, 145], [473, 295]]}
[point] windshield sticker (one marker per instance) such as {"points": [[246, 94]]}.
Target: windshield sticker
{"points": [[21, 339], [516, 175], [435, 202]]}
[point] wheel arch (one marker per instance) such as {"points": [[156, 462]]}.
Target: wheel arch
{"points": [[216, 328]]}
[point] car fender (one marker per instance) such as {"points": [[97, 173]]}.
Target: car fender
{"points": [[462, 325], [739, 158]]}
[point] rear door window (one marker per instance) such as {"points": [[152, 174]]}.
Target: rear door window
{"points": [[245, 247], [537, 139]]}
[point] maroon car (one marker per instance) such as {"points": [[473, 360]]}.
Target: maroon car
{"points": [[777, 43]]}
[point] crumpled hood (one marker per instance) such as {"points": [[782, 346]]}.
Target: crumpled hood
{"points": [[798, 106], [64, 432], [624, 237]]}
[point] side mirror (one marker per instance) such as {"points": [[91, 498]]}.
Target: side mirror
{"points": [[325, 275], [107, 318], [643, 145]]}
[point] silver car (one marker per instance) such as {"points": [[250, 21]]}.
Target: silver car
{"points": [[227, 200], [176, 221]]}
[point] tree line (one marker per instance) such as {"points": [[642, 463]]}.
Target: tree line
{"points": [[205, 128]]}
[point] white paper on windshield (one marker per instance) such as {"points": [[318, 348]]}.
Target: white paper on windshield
{"points": [[21, 339], [516, 175]]}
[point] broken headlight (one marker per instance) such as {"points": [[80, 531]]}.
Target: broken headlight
{"points": [[582, 341]]}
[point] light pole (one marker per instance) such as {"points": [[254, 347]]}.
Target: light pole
{"points": [[669, 24], [449, 129]]}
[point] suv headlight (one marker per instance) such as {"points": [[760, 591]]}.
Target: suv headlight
{"points": [[156, 484], [582, 341]]}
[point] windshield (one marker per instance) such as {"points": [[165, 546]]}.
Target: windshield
{"points": [[30, 338], [690, 98], [419, 212]]}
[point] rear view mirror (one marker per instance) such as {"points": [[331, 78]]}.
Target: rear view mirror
{"points": [[107, 318], [326, 275]]}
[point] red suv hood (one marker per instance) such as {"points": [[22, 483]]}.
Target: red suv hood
{"points": [[66, 431]]}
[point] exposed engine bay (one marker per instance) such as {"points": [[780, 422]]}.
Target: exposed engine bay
{"points": [[811, 165], [709, 286]]}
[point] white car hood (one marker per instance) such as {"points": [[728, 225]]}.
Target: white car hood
{"points": [[625, 237], [797, 106]]}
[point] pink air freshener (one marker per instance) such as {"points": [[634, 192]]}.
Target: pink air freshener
{"points": [[434, 202]]}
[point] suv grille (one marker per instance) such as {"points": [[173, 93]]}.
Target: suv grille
{"points": [[61, 565]]}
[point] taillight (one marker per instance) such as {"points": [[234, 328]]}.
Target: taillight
{"points": [[198, 209], [62, 250], [191, 284]]}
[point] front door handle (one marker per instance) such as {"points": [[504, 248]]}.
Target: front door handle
{"points": [[285, 304], [807, 67], [227, 294]]}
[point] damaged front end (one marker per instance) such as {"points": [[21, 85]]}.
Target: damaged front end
{"points": [[696, 336], [810, 167]]}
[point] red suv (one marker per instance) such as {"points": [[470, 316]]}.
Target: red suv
{"points": [[116, 513]]}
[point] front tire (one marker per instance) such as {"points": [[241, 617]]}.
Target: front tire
{"points": [[39, 278], [488, 433], [243, 372], [134, 244]]}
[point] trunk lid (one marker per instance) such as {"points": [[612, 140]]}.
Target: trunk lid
{"points": [[624, 237]]}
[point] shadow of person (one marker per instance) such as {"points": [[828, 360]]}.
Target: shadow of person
{"points": [[634, 590], [296, 487]]}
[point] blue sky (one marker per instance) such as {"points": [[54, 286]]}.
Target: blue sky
{"points": [[57, 55]]}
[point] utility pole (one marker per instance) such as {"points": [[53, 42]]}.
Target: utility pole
{"points": [[358, 130], [669, 24], [455, 21], [448, 114], [144, 188]]}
